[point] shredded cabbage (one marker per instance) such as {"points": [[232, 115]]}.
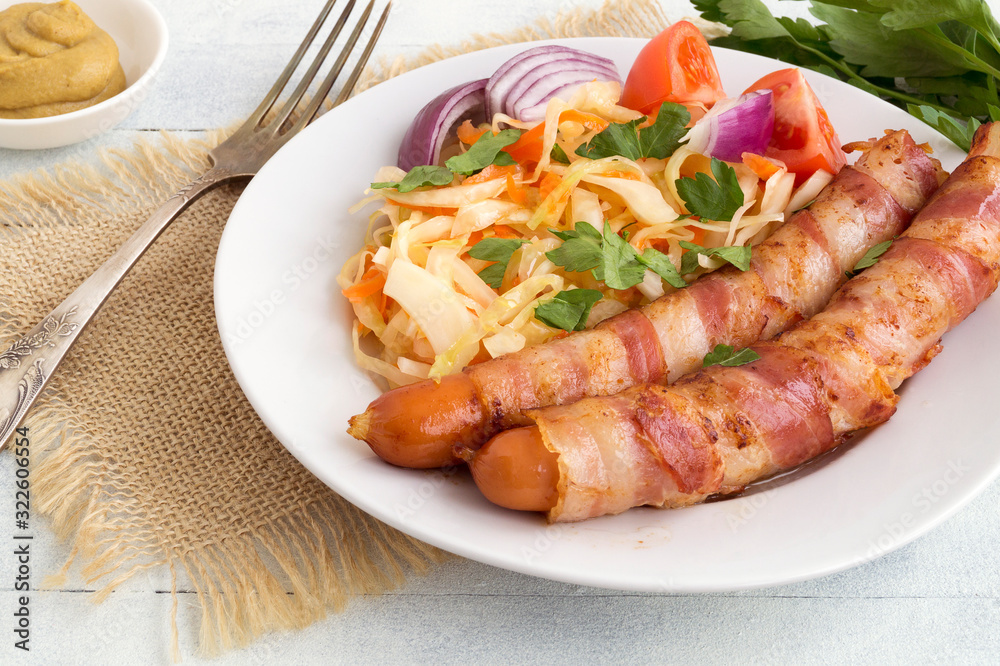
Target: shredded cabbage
{"points": [[431, 301]]}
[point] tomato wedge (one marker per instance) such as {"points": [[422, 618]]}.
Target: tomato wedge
{"points": [[675, 66], [804, 138]]}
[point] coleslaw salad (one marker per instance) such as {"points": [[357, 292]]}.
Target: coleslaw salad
{"points": [[423, 302]]}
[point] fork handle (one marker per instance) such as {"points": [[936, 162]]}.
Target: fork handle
{"points": [[26, 366]]}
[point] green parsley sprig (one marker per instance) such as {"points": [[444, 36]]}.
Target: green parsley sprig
{"points": [[737, 255], [487, 150], [498, 250], [660, 140], [713, 199], [610, 257], [568, 310], [728, 356], [418, 176], [870, 259], [938, 59]]}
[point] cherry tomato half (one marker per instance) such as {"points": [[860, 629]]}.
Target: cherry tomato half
{"points": [[675, 66], [804, 138]]}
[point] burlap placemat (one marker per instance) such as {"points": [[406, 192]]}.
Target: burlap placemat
{"points": [[146, 453]]}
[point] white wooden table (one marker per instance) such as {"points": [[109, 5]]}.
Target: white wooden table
{"points": [[935, 600]]}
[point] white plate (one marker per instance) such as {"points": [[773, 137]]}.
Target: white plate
{"points": [[286, 331]]}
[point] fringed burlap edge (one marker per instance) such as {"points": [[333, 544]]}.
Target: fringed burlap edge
{"points": [[242, 585], [284, 576]]}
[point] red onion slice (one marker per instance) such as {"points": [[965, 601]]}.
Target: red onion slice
{"points": [[516, 80], [735, 126], [558, 66], [531, 105], [426, 134], [498, 84]]}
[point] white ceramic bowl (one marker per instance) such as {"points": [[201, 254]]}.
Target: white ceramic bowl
{"points": [[141, 35]]}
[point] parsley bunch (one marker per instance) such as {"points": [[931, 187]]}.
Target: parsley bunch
{"points": [[938, 59]]}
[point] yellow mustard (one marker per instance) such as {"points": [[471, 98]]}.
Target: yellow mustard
{"points": [[54, 60]]}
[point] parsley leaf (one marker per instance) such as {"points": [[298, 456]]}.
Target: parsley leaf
{"points": [[737, 255], [495, 249], [727, 356], [418, 176], [499, 250], [616, 139], [906, 14], [871, 258], [621, 263], [559, 155], [581, 249], [710, 11], [493, 274], [660, 264], [569, 309], [487, 150], [659, 140], [612, 259], [752, 20], [959, 134], [862, 39], [717, 199]]}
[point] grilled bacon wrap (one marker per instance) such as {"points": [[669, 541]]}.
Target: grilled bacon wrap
{"points": [[792, 276], [716, 430]]}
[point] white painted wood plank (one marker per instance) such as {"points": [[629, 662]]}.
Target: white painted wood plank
{"points": [[462, 629]]}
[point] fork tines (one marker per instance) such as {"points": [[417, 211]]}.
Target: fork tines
{"points": [[311, 105]]}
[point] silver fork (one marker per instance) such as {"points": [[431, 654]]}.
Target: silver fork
{"points": [[29, 362]]}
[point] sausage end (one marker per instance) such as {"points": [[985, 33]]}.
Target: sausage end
{"points": [[359, 425], [516, 471], [422, 425]]}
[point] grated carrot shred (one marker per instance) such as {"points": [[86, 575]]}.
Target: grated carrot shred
{"points": [[550, 181], [469, 133], [490, 172], [371, 282], [763, 167]]}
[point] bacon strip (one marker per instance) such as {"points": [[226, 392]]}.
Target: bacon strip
{"points": [[793, 274], [716, 430]]}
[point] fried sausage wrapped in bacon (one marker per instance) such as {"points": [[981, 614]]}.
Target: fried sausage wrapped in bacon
{"points": [[717, 430], [793, 274]]}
